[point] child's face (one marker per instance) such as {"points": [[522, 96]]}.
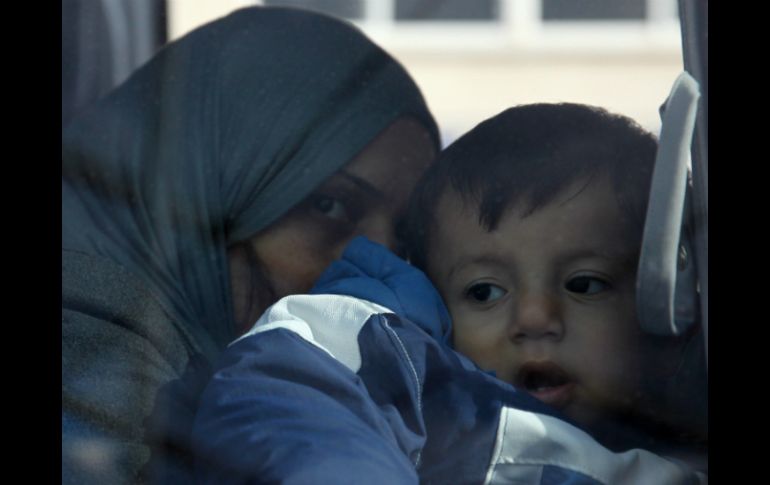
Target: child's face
{"points": [[547, 301]]}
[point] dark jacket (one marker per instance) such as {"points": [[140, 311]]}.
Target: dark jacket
{"points": [[356, 383]]}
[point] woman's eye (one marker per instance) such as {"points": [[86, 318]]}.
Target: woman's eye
{"points": [[331, 207], [586, 285], [485, 292]]}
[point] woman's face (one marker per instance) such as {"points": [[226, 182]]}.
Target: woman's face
{"points": [[366, 197]]}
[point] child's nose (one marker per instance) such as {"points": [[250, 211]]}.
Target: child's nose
{"points": [[536, 317]]}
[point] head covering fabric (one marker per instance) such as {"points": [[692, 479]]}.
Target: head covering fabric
{"points": [[214, 139]]}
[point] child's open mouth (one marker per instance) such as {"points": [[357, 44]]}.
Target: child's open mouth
{"points": [[546, 381]]}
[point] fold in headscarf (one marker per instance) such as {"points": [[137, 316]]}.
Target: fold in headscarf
{"points": [[213, 140]]}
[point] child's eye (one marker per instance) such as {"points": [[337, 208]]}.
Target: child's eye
{"points": [[586, 285], [331, 208], [485, 292]]}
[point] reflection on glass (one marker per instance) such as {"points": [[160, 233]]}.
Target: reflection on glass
{"points": [[346, 9], [447, 10], [594, 9]]}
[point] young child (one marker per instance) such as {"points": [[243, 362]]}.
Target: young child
{"points": [[530, 227]]}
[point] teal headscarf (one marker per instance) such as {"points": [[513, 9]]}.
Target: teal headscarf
{"points": [[213, 140]]}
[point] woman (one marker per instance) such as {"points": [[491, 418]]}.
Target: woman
{"points": [[223, 175]]}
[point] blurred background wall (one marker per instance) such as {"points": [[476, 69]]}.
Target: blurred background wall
{"points": [[474, 58]]}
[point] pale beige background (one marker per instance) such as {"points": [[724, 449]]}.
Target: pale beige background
{"points": [[469, 74]]}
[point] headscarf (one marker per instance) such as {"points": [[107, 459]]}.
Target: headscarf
{"points": [[214, 139]]}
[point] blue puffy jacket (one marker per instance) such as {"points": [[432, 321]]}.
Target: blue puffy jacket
{"points": [[357, 383]]}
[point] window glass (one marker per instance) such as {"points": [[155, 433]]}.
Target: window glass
{"points": [[448, 10], [471, 60], [555, 10], [347, 9]]}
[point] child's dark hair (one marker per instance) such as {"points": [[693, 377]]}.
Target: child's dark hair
{"points": [[528, 155]]}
